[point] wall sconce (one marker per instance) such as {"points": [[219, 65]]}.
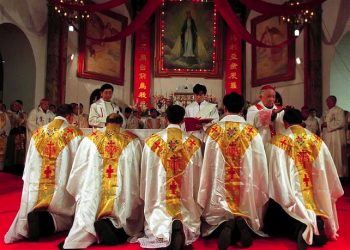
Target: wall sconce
{"points": [[296, 32], [72, 57], [70, 28]]}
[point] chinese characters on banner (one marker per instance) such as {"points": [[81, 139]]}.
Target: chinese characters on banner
{"points": [[233, 64], [142, 67]]}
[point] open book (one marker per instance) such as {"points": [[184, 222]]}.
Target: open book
{"points": [[192, 122]]}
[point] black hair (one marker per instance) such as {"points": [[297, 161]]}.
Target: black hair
{"points": [[199, 88], [128, 110], [106, 86], [175, 114], [114, 118], [292, 116], [233, 102], [64, 110]]}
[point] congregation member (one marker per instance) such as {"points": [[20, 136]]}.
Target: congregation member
{"points": [[334, 127], [153, 122], [16, 143], [304, 186], [80, 120], [5, 127], [309, 120], [105, 181], [202, 109], [100, 109], [265, 115], [170, 168], [233, 182], [46, 206], [132, 121], [38, 117]]}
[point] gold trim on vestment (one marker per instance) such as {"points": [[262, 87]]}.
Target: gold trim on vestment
{"points": [[233, 144], [175, 157], [49, 143], [110, 145], [304, 150]]}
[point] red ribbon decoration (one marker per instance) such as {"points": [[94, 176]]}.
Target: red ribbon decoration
{"points": [[233, 64], [142, 66]]}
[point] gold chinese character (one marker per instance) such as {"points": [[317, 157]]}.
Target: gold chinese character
{"points": [[142, 85], [233, 75], [142, 67], [233, 66], [142, 76], [142, 95], [233, 85], [143, 57]]}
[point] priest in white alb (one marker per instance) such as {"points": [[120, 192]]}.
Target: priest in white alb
{"points": [[201, 109], [303, 185], [46, 206], [334, 129], [233, 183], [170, 169], [105, 181], [265, 115]]}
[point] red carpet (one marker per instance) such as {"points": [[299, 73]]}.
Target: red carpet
{"points": [[10, 194]]}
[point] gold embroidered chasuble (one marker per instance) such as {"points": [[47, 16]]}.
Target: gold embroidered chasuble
{"points": [[303, 148], [110, 145], [175, 156], [49, 142], [233, 143]]}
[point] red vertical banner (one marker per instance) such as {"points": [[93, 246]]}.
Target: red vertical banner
{"points": [[233, 63], [142, 67]]}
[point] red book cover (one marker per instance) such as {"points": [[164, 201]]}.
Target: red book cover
{"points": [[192, 122]]}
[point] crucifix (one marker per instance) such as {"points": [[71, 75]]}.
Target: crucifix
{"points": [[50, 149], [47, 172], [109, 171], [306, 180], [111, 148], [175, 163]]}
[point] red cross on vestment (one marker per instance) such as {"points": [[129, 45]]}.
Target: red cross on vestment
{"points": [[192, 142], [303, 156], [69, 130], [175, 163], [109, 171], [306, 180], [250, 130], [156, 145], [47, 172], [50, 149], [284, 142], [111, 148]]}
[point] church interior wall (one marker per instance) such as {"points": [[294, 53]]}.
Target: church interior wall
{"points": [[79, 89], [292, 92], [31, 18], [329, 17]]}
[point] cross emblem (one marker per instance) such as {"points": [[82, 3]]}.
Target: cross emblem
{"points": [[47, 172], [109, 171], [306, 180], [215, 129], [284, 142], [50, 149], [69, 130], [175, 163], [303, 156], [192, 142], [156, 145], [250, 130], [111, 148], [94, 133], [173, 186]]}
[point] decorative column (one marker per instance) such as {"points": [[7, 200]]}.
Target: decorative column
{"points": [[57, 36], [313, 62]]}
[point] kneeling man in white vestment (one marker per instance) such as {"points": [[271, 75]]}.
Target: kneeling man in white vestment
{"points": [[105, 181], [46, 207], [170, 169], [233, 183]]}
